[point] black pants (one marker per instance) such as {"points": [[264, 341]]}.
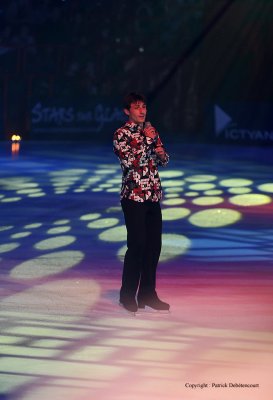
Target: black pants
{"points": [[144, 228]]}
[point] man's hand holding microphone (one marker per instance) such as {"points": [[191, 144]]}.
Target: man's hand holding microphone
{"points": [[150, 132]]}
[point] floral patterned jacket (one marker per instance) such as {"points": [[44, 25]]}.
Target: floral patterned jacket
{"points": [[139, 162]]}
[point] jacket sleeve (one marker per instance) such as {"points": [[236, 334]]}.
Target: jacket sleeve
{"points": [[162, 163]]}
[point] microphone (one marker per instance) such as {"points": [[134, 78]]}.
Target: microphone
{"points": [[147, 124]]}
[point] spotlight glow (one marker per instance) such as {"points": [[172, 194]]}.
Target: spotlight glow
{"points": [[235, 182], [252, 199], [55, 243], [47, 264], [215, 218], [266, 187], [207, 201], [201, 178], [103, 223], [117, 234], [171, 214]]}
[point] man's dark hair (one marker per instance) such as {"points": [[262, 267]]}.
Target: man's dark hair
{"points": [[133, 97]]}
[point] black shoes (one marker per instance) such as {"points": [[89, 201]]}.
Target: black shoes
{"points": [[129, 304], [154, 302]]}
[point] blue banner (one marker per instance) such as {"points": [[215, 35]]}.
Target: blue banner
{"points": [[53, 120], [242, 123]]}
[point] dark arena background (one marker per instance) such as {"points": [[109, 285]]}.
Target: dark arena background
{"points": [[206, 69]]}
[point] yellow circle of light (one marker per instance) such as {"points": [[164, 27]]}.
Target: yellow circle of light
{"points": [[58, 230], [103, 223], [55, 243], [171, 174], [239, 190], [207, 201], [171, 214], [173, 183], [252, 199], [20, 235], [173, 202], [117, 234], [215, 218], [213, 192], [47, 264], [202, 186], [173, 246], [266, 187], [90, 217], [6, 247], [235, 182], [201, 178]]}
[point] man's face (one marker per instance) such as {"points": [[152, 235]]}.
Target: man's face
{"points": [[137, 112]]}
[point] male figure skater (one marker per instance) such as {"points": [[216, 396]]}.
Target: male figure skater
{"points": [[140, 151]]}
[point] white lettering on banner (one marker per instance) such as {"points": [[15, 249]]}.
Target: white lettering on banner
{"points": [[244, 134], [227, 128], [65, 117], [59, 115]]}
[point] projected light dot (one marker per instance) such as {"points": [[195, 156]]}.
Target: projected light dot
{"points": [[106, 185], [114, 180], [202, 186], [55, 243], [47, 264], [79, 190], [192, 194], [105, 171], [266, 187], [5, 228], [171, 195], [60, 191], [90, 217], [173, 202], [94, 179], [247, 200], [214, 218], [58, 230], [239, 190], [171, 214], [36, 195], [103, 223], [172, 246], [173, 190], [117, 234], [30, 185], [20, 235], [114, 209], [171, 174], [6, 247], [11, 199], [66, 172], [235, 182], [113, 190], [28, 191], [215, 192], [207, 201], [96, 190], [61, 222], [201, 178], [1, 196], [173, 183], [33, 226]]}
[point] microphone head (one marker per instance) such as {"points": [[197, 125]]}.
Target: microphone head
{"points": [[147, 124]]}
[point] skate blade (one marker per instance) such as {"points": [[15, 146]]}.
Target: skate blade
{"points": [[149, 310], [132, 313]]}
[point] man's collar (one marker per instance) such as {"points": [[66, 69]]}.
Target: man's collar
{"points": [[133, 125]]}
